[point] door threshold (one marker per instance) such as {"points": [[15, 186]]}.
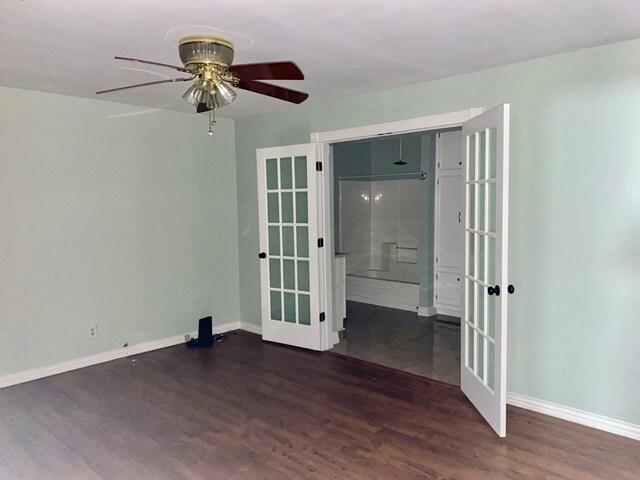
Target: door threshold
{"points": [[391, 369]]}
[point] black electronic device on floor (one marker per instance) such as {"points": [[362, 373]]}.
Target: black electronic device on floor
{"points": [[205, 334]]}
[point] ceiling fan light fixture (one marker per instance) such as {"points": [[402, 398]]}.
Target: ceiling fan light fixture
{"points": [[194, 94], [222, 95], [208, 62]]}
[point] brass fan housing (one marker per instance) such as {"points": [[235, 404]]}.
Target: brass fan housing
{"points": [[198, 51]]}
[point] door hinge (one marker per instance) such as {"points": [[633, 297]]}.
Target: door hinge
{"points": [[436, 276], [318, 166], [320, 242], [322, 316], [436, 259]]}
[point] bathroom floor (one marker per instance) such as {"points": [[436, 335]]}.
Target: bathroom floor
{"points": [[401, 340]]}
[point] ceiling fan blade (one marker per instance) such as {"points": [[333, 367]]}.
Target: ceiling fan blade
{"points": [[137, 60], [268, 71], [274, 91], [171, 80], [202, 107]]}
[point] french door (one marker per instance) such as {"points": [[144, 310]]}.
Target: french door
{"points": [[289, 263], [484, 326], [293, 274]]}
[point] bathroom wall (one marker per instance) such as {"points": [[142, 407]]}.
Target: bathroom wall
{"points": [[350, 159], [395, 219], [377, 216], [354, 230], [406, 221]]}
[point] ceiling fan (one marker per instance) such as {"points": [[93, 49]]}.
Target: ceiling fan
{"points": [[208, 61]]}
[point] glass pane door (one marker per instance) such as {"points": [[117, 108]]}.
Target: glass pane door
{"points": [[288, 223], [288, 232], [486, 162]]}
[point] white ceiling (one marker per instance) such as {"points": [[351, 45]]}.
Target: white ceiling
{"points": [[345, 47]]}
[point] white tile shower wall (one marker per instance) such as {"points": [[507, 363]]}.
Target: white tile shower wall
{"points": [[386, 293], [395, 218], [355, 224], [384, 220]]}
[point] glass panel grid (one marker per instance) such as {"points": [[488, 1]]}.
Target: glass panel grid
{"points": [[287, 207], [288, 249], [274, 240], [480, 342], [289, 307], [275, 303], [286, 174], [482, 161], [300, 166], [480, 243], [302, 241], [304, 309], [493, 153], [274, 273], [272, 173], [491, 358], [470, 360], [273, 208]]}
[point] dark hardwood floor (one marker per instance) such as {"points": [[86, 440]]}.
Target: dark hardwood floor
{"points": [[251, 410]]}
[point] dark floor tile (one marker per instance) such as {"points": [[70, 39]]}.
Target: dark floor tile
{"points": [[400, 339]]}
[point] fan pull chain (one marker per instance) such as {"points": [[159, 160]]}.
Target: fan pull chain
{"points": [[212, 121]]}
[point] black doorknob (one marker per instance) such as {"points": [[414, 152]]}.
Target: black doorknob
{"points": [[494, 290], [262, 255], [511, 289]]}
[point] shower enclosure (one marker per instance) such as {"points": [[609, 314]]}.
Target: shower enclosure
{"points": [[379, 228]]}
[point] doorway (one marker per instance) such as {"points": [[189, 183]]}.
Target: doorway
{"points": [[399, 251]]}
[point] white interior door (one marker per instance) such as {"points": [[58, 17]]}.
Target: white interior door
{"points": [[289, 259], [484, 330]]}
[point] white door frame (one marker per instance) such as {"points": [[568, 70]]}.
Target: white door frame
{"points": [[325, 187]]}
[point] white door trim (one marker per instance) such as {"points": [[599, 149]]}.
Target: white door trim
{"points": [[325, 184], [420, 124]]}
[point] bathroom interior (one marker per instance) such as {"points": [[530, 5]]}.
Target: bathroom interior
{"points": [[399, 248]]}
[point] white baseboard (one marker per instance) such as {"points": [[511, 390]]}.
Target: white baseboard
{"points": [[55, 369], [250, 327], [574, 415], [427, 311]]}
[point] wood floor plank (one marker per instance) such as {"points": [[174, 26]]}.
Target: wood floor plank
{"points": [[251, 410]]}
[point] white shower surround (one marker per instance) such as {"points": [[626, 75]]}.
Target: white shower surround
{"points": [[382, 292], [378, 217]]}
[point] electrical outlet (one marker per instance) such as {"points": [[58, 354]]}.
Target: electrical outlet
{"points": [[93, 331]]}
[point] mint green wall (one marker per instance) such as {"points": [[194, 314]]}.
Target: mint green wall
{"points": [[574, 334], [127, 222]]}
